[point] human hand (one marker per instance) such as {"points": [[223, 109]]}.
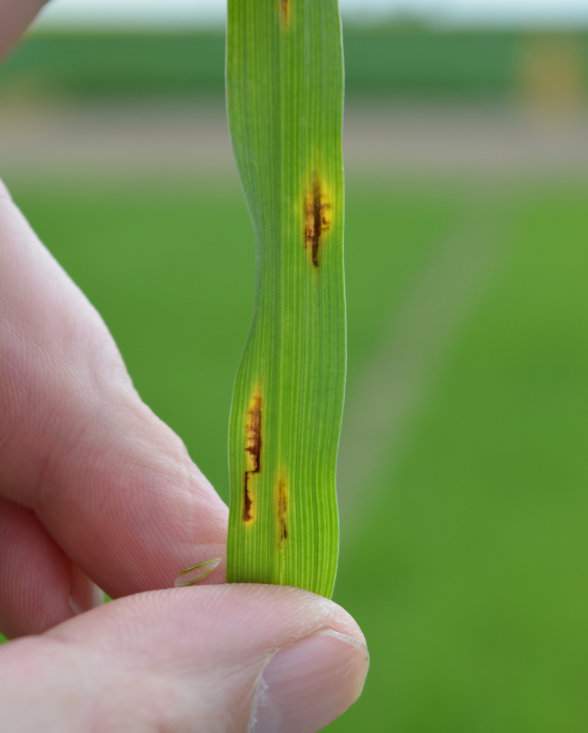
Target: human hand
{"points": [[95, 489]]}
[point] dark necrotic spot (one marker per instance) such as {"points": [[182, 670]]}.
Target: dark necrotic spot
{"points": [[252, 454], [247, 500], [317, 219]]}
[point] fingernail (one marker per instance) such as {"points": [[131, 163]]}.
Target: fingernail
{"points": [[307, 685], [197, 573], [91, 598], [84, 594]]}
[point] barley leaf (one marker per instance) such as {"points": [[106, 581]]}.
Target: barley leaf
{"points": [[285, 96]]}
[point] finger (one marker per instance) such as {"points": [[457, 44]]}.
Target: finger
{"points": [[15, 17], [39, 587], [35, 578], [113, 485], [217, 659]]}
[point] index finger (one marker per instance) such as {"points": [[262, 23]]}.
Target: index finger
{"points": [[112, 484]]}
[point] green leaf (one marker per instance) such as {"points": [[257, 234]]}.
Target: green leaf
{"points": [[285, 99]]}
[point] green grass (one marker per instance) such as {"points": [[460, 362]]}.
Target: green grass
{"points": [[466, 562], [386, 61]]}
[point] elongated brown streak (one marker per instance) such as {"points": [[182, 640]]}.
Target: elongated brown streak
{"points": [[317, 219], [282, 512], [252, 455], [285, 11]]}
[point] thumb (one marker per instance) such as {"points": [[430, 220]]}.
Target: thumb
{"points": [[219, 659]]}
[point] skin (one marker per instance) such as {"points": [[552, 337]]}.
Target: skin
{"points": [[97, 492]]}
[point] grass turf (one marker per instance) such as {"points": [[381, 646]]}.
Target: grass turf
{"points": [[465, 567]]}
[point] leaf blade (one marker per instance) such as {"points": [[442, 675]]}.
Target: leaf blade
{"points": [[284, 93]]}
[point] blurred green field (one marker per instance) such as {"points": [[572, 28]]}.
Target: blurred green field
{"points": [[463, 549], [388, 61]]}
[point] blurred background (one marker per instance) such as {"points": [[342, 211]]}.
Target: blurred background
{"points": [[464, 472]]}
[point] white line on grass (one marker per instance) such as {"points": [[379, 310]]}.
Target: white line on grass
{"points": [[393, 390]]}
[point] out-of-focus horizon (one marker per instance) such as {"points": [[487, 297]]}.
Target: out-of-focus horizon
{"points": [[420, 97]]}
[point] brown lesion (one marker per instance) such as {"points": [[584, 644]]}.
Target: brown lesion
{"points": [[285, 12], [317, 219], [253, 445], [247, 500], [282, 512]]}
